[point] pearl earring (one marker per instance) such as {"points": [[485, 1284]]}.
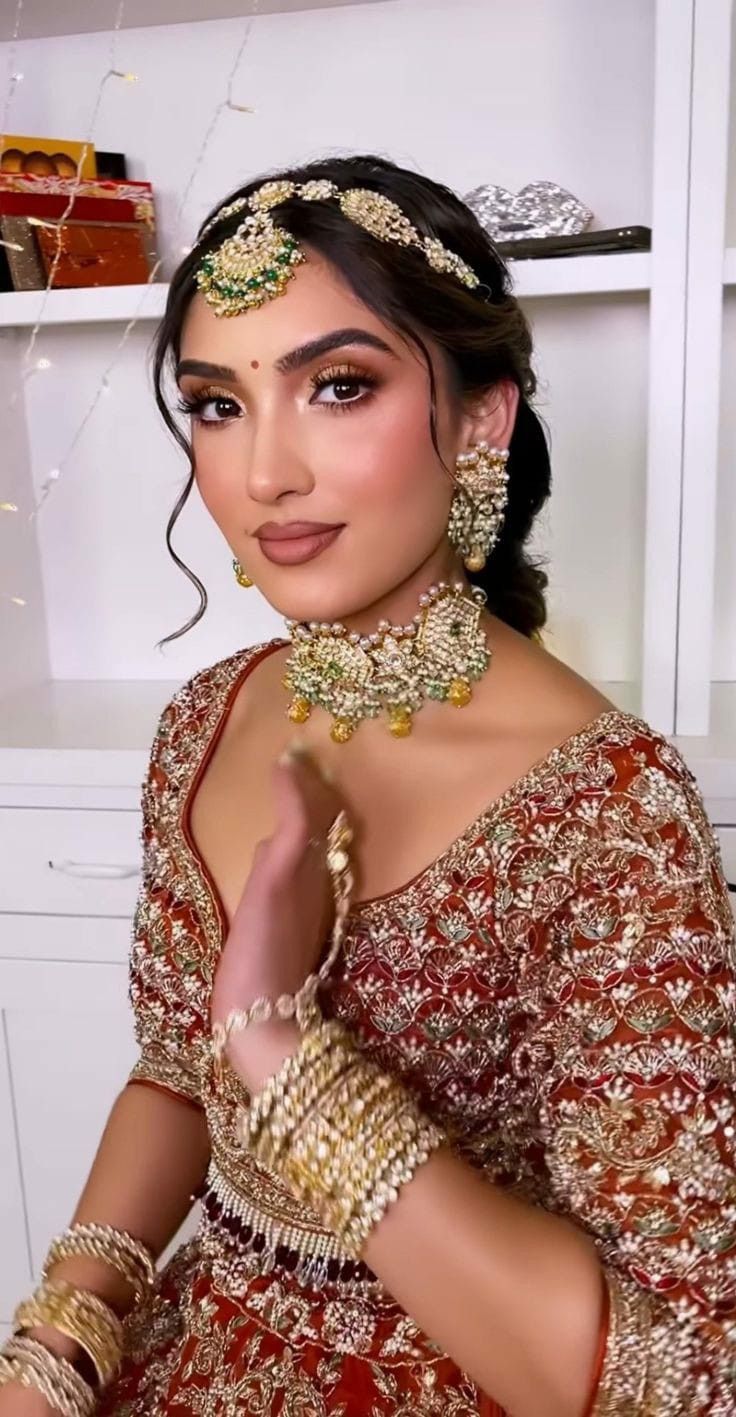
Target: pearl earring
{"points": [[477, 508]]}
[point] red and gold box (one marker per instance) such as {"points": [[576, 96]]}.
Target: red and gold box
{"points": [[78, 234]]}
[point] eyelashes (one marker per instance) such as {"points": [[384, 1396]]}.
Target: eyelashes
{"points": [[194, 407], [345, 375]]}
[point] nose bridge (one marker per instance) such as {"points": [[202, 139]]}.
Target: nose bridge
{"points": [[274, 465]]}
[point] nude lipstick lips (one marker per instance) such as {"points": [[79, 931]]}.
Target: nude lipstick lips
{"points": [[293, 543]]}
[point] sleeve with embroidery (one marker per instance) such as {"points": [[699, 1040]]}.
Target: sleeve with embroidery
{"points": [[163, 989], [639, 1101]]}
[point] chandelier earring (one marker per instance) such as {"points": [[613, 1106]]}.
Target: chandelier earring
{"points": [[242, 576], [478, 504]]}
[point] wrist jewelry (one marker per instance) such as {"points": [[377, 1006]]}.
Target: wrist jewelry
{"points": [[80, 1315], [28, 1362], [395, 670], [343, 1134], [131, 1259], [302, 1006]]}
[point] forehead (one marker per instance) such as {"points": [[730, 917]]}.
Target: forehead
{"points": [[316, 298]]}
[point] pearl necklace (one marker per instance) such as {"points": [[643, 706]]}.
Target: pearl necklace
{"points": [[395, 669]]}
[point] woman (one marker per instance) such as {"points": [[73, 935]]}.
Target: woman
{"points": [[487, 1165]]}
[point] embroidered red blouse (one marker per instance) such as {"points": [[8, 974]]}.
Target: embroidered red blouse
{"points": [[560, 989]]}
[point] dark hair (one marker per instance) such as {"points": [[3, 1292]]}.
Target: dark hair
{"points": [[483, 333]]}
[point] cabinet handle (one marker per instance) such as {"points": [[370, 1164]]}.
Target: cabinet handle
{"points": [[95, 870]]}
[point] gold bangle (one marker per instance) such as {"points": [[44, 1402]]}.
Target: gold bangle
{"points": [[116, 1248], [28, 1362], [80, 1315], [344, 1135]]}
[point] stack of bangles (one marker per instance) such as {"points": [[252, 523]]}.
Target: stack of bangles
{"points": [[343, 1134], [80, 1315]]}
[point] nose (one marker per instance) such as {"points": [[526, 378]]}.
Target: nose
{"points": [[275, 465]]}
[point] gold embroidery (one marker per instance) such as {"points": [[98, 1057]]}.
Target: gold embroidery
{"points": [[558, 987]]}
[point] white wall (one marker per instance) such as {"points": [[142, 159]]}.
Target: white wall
{"points": [[476, 91], [724, 629], [22, 641]]}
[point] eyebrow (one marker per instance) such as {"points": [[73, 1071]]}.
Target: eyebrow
{"points": [[296, 358]]}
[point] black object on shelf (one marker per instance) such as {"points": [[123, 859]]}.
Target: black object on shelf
{"points": [[580, 243], [112, 166]]}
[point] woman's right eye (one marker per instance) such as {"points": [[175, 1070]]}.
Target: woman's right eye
{"points": [[214, 410]]}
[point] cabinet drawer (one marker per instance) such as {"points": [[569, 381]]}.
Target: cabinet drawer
{"points": [[65, 862], [727, 838]]}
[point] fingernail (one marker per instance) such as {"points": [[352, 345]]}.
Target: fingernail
{"points": [[292, 753]]}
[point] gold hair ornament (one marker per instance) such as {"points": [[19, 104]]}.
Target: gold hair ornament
{"points": [[259, 259]]}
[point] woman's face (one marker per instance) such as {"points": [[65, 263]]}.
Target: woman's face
{"points": [[337, 437]]}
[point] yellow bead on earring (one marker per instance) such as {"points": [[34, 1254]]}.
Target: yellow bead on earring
{"points": [[241, 576]]}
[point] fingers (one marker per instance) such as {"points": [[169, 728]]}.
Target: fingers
{"points": [[306, 806]]}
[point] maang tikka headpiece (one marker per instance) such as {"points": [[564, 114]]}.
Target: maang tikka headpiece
{"points": [[256, 262]]}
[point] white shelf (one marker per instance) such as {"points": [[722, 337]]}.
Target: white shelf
{"points": [[558, 276], [96, 305], [611, 274]]}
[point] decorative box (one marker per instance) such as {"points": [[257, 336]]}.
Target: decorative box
{"points": [[106, 239]]}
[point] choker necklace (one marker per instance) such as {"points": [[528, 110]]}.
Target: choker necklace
{"points": [[356, 676]]}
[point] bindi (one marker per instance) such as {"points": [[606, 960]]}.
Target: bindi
{"points": [[254, 364]]}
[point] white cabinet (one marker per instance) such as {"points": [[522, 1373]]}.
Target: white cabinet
{"points": [[66, 1027], [69, 862], [67, 1049], [71, 1047], [15, 1270]]}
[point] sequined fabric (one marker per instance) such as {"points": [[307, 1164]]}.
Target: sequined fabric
{"points": [[559, 988]]}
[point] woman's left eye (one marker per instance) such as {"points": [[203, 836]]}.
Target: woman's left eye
{"points": [[344, 385]]}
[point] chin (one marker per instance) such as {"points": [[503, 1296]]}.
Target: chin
{"points": [[325, 609]]}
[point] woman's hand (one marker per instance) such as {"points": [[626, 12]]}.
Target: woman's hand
{"points": [[282, 924], [17, 1401]]}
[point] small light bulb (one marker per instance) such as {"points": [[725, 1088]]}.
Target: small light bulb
{"points": [[8, 507], [43, 364], [105, 385], [17, 600], [184, 250], [18, 78], [130, 78], [54, 474]]}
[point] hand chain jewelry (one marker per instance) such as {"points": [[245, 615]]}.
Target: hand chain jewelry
{"points": [[302, 1005]]}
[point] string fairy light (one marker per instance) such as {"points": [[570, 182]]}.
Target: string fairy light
{"points": [[110, 73], [104, 387], [54, 476], [13, 78]]}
